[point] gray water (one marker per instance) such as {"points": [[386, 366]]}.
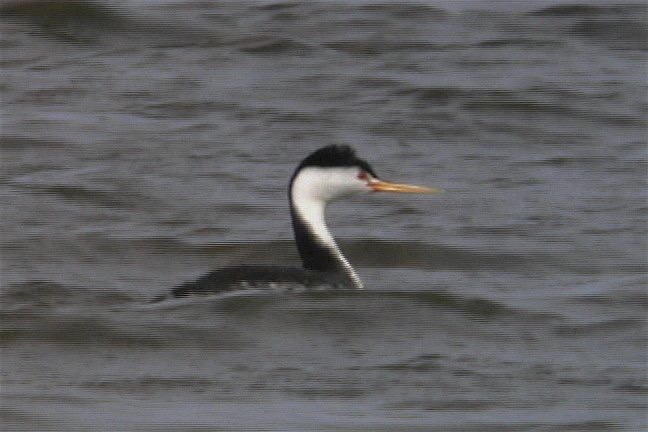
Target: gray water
{"points": [[146, 143]]}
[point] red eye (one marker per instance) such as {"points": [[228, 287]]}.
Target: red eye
{"points": [[363, 175]]}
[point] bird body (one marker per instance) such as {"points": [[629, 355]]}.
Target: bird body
{"points": [[329, 173]]}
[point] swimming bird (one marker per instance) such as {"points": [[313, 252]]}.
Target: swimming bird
{"points": [[327, 174]]}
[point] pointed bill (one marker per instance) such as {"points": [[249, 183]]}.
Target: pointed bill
{"points": [[383, 186]]}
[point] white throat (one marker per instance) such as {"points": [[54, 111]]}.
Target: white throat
{"points": [[311, 190]]}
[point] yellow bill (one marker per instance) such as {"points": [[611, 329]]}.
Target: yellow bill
{"points": [[383, 186]]}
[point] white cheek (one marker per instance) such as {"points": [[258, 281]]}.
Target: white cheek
{"points": [[345, 183], [361, 186], [326, 184]]}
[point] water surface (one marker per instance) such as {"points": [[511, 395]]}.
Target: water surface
{"points": [[146, 143]]}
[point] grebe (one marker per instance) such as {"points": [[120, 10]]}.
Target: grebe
{"points": [[327, 174]]}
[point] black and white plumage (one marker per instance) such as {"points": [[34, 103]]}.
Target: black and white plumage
{"points": [[329, 173]]}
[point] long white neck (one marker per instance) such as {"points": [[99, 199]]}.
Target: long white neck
{"points": [[317, 247]]}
